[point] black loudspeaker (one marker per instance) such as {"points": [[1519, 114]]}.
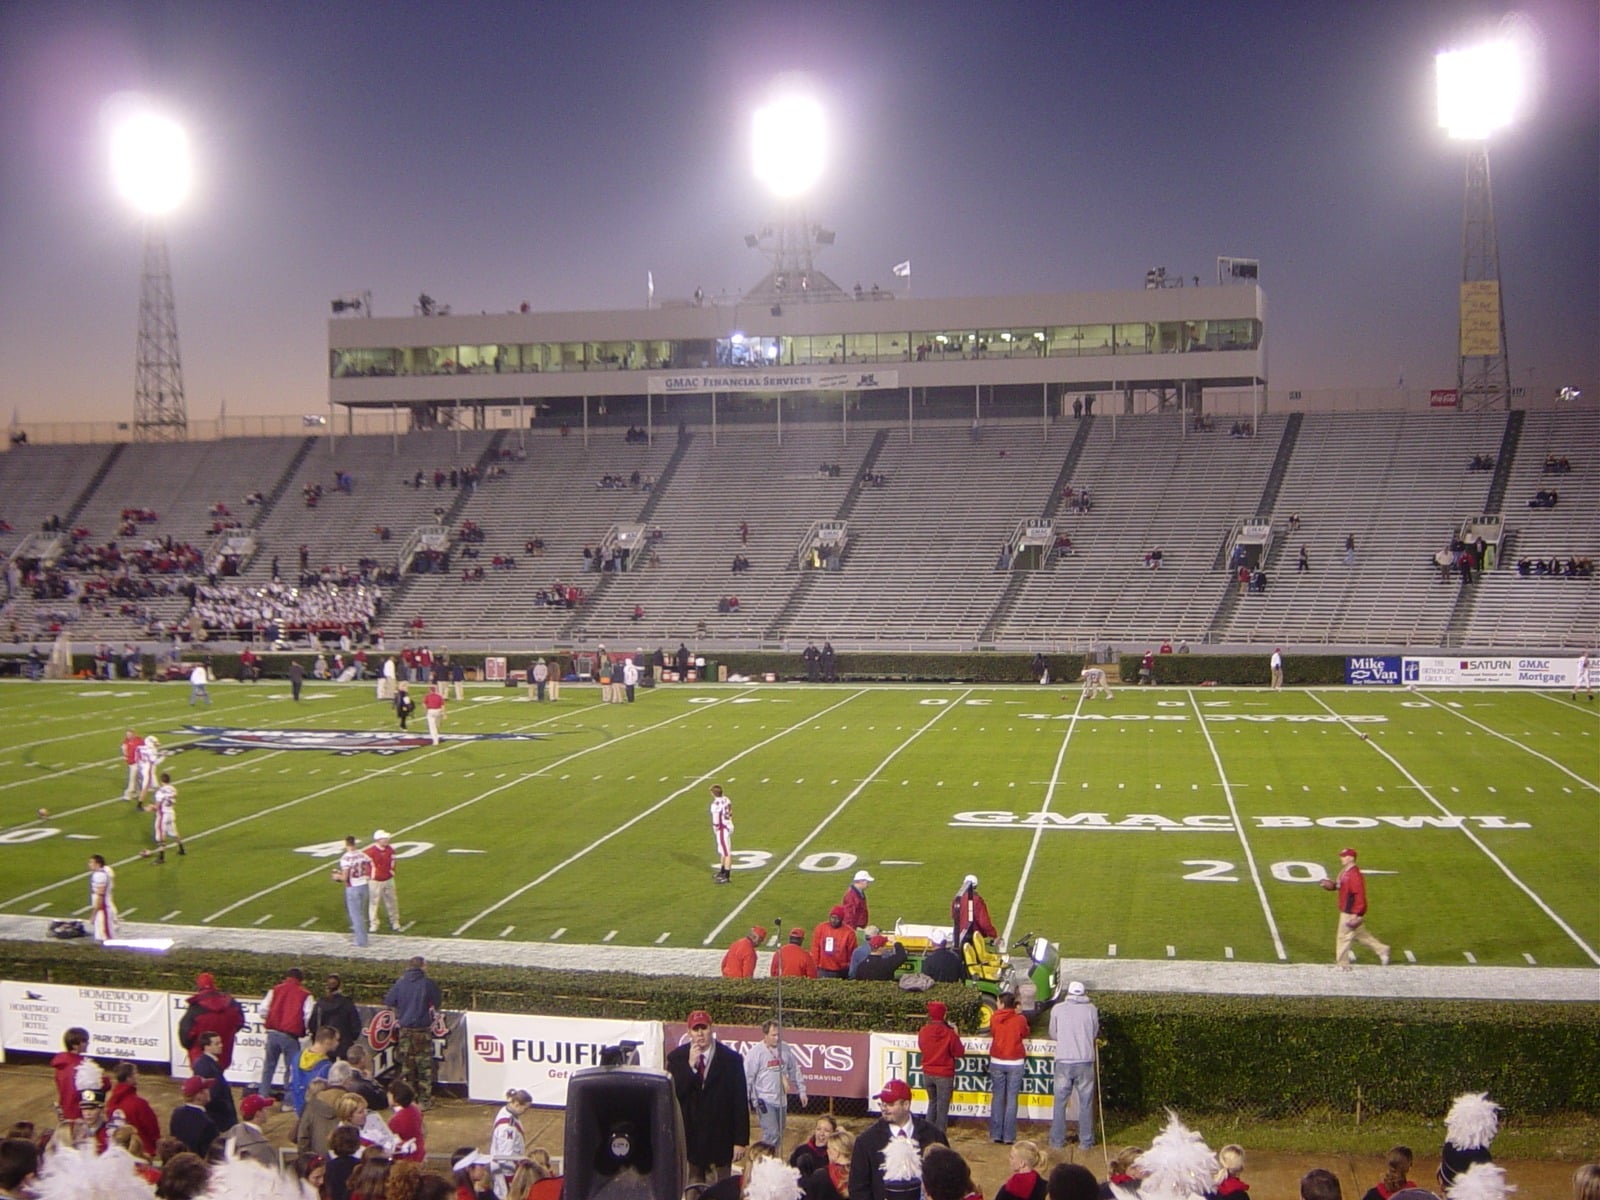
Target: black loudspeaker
{"points": [[624, 1136]]}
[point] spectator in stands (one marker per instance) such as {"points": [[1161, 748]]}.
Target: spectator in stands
{"points": [[1258, 582], [1349, 549], [1304, 564], [1152, 558]]}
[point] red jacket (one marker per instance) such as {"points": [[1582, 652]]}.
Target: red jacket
{"points": [[406, 1124], [1352, 891], [1233, 1186], [855, 908], [740, 960], [792, 959], [210, 1011], [286, 1008], [941, 1049], [844, 945], [65, 1066], [969, 908], [1008, 1028], [135, 1111]]}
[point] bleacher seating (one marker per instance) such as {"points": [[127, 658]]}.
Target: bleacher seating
{"points": [[921, 566]]}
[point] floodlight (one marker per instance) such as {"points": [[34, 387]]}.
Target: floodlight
{"points": [[789, 145], [1480, 88], [150, 162]]}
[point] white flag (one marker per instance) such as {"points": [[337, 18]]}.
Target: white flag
{"points": [[903, 270], [650, 284]]}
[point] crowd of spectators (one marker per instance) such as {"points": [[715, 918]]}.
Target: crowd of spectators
{"points": [[1557, 465], [277, 611], [741, 564], [468, 476], [636, 481], [561, 595], [728, 604], [1572, 568], [1545, 498]]}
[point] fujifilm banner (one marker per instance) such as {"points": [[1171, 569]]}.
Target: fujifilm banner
{"points": [[667, 383], [1503, 671], [1373, 670], [539, 1054]]}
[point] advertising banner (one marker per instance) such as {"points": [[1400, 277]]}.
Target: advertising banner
{"points": [[377, 1031], [539, 1054], [123, 1023], [833, 1062], [666, 383], [1507, 670], [1372, 670], [895, 1056]]}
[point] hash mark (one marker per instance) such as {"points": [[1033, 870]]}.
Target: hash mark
{"points": [[308, 922], [1468, 955], [1227, 952], [557, 934], [1532, 962], [40, 907], [1172, 952], [507, 930], [609, 936], [663, 938], [1111, 950], [262, 920], [170, 915]]}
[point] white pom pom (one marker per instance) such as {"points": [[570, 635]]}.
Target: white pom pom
{"points": [[901, 1160], [1472, 1121], [1480, 1181], [67, 1174], [773, 1179], [1178, 1166]]}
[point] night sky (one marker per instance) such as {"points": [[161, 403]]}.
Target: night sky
{"points": [[552, 153]]}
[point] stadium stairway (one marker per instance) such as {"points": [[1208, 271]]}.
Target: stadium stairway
{"points": [[1269, 501], [269, 500], [802, 587], [87, 494], [1052, 506], [489, 456], [1466, 598], [658, 491]]}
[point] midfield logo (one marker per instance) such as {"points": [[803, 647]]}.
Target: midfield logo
{"points": [[335, 741]]}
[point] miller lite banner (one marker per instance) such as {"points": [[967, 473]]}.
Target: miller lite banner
{"points": [[895, 1056], [123, 1023], [378, 1033], [539, 1054]]}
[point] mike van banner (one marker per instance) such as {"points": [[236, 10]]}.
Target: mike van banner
{"points": [[895, 1056], [539, 1054], [1372, 670], [1507, 670], [123, 1023], [833, 380], [833, 1063], [378, 1033]]}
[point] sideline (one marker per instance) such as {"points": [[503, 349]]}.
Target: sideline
{"points": [[1578, 984]]}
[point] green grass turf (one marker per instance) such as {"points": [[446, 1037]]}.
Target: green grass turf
{"points": [[1160, 829]]}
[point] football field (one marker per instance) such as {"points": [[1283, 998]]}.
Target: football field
{"points": [[1164, 823]]}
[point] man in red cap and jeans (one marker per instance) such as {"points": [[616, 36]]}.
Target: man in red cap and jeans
{"points": [[709, 1080], [941, 1051], [868, 1180]]}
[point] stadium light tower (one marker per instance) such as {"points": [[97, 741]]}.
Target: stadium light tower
{"points": [[1481, 91], [150, 166], [789, 150]]}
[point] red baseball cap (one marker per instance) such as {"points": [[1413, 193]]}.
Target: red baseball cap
{"points": [[895, 1089], [698, 1018], [937, 1009], [205, 980], [797, 934], [194, 1085], [1347, 852]]}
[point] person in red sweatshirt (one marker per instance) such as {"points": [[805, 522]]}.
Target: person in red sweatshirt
{"points": [[941, 1049], [65, 1065], [1025, 1182], [740, 960], [210, 1010], [794, 959], [406, 1122], [1229, 1183], [1008, 1065], [125, 1106], [832, 945]]}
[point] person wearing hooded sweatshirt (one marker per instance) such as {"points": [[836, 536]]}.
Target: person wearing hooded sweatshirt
{"points": [[314, 1062], [415, 999], [941, 1049], [127, 1107], [969, 913], [210, 1010], [338, 1011], [65, 1065]]}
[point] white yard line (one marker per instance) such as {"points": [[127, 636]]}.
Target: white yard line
{"points": [[1565, 701], [1238, 824], [654, 808], [1588, 783], [1473, 837], [827, 820], [1038, 831]]}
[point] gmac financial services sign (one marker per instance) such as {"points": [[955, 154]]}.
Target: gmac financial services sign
{"points": [[671, 382]]}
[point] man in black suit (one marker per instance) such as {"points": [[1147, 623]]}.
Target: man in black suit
{"points": [[868, 1179], [219, 1104], [708, 1079]]}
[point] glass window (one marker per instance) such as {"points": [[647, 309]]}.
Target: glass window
{"points": [[571, 356], [861, 347], [1134, 338], [352, 364], [479, 360]]}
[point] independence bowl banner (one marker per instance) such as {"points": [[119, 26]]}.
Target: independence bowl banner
{"points": [[895, 1056]]}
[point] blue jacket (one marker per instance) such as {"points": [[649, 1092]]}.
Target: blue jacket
{"points": [[414, 997]]}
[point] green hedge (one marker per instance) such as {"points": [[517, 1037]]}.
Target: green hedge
{"points": [[1268, 1056], [1236, 670]]}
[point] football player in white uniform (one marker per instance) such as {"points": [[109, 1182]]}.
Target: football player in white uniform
{"points": [[150, 757], [102, 882], [722, 832], [166, 827]]}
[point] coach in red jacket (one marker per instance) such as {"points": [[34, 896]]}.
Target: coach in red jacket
{"points": [[740, 960], [210, 1010], [941, 1050], [132, 1109]]}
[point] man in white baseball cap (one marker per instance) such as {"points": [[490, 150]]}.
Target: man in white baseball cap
{"points": [[855, 903], [380, 888], [1074, 1025]]}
